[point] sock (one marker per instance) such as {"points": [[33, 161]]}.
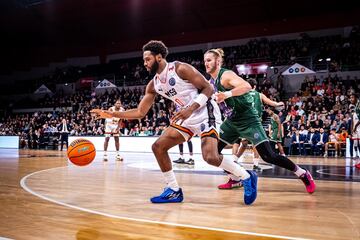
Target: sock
{"points": [[299, 171], [170, 180], [233, 177], [235, 169], [182, 156], [117, 153], [256, 161], [235, 157], [284, 155], [105, 153]]}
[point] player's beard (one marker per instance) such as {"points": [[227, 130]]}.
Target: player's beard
{"points": [[154, 68]]}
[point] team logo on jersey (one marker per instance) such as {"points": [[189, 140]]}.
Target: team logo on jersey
{"points": [[202, 127], [172, 81], [256, 135]]}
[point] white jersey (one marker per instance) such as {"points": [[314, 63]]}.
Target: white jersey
{"points": [[113, 120], [204, 121], [169, 85], [356, 129]]}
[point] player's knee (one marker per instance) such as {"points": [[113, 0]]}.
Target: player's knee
{"points": [[158, 147], [155, 147], [212, 159]]}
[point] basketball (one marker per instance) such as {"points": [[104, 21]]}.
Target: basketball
{"points": [[81, 152]]}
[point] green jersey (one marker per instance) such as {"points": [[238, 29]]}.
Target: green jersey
{"points": [[242, 119], [257, 104], [242, 107], [274, 125]]}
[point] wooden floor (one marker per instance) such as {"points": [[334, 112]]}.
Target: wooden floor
{"points": [[42, 196]]}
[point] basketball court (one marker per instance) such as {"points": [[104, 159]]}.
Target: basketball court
{"points": [[45, 196]]}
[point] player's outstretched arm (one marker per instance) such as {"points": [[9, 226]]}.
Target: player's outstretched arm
{"points": [[270, 102], [136, 113]]}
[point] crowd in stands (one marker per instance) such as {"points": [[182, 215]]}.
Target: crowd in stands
{"points": [[319, 116], [343, 52], [320, 112]]}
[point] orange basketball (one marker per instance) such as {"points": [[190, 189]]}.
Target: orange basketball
{"points": [[81, 152]]}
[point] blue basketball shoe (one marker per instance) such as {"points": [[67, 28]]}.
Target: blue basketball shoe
{"points": [[250, 188], [169, 196]]}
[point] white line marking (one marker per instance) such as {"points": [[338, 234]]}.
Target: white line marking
{"points": [[321, 171], [26, 188]]}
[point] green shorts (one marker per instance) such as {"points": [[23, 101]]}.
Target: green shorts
{"points": [[253, 131]]}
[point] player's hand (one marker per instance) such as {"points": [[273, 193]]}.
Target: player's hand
{"points": [[99, 113], [182, 115], [220, 97], [280, 106]]}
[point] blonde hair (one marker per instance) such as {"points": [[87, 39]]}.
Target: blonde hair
{"points": [[218, 52]]}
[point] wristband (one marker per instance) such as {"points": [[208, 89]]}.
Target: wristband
{"points": [[228, 94], [201, 99]]}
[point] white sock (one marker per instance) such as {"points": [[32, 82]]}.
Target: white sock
{"points": [[105, 153], [181, 156], [170, 180], [117, 153], [256, 161], [299, 171], [235, 157], [233, 177], [237, 170], [284, 155]]}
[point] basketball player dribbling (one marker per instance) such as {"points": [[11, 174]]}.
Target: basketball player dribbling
{"points": [[199, 115], [242, 119], [112, 128]]}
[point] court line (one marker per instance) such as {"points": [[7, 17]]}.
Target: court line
{"points": [[321, 171], [26, 188]]}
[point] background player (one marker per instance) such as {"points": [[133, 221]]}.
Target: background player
{"points": [[355, 128], [112, 128], [259, 100], [276, 131], [181, 159]]}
